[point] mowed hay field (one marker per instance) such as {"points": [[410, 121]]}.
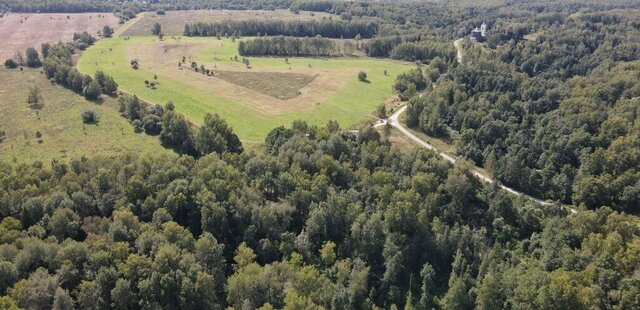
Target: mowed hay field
{"points": [[173, 21], [59, 121], [334, 92], [21, 31]]}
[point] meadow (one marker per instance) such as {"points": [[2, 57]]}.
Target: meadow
{"points": [[248, 100], [56, 129]]}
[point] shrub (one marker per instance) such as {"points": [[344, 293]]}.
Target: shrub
{"points": [[362, 76], [10, 64], [89, 116], [34, 97]]}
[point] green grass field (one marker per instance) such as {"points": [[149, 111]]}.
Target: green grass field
{"points": [[59, 121], [335, 93]]}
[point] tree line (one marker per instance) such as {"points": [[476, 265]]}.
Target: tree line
{"points": [[58, 68], [287, 46], [295, 28], [319, 218], [328, 6]]}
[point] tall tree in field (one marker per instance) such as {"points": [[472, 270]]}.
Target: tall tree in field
{"points": [[157, 29], [33, 59], [107, 31], [35, 96]]}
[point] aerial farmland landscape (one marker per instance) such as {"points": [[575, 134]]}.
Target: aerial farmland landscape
{"points": [[319, 154]]}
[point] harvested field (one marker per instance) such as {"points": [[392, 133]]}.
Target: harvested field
{"points": [[276, 84], [21, 31], [173, 21]]}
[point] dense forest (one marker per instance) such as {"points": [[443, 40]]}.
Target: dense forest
{"points": [[320, 219], [555, 116]]}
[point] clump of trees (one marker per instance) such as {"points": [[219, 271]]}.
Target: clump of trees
{"points": [[287, 46], [213, 136], [295, 28], [83, 40], [409, 83]]}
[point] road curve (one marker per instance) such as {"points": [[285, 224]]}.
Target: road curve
{"points": [[393, 121]]}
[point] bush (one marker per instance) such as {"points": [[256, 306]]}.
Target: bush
{"points": [[10, 64], [89, 116], [362, 76]]}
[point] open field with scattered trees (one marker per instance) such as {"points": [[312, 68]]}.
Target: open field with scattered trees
{"points": [[21, 31], [53, 127], [334, 93]]}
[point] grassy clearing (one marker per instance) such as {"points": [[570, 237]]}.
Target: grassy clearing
{"points": [[335, 92], [63, 134], [173, 22], [280, 85]]}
